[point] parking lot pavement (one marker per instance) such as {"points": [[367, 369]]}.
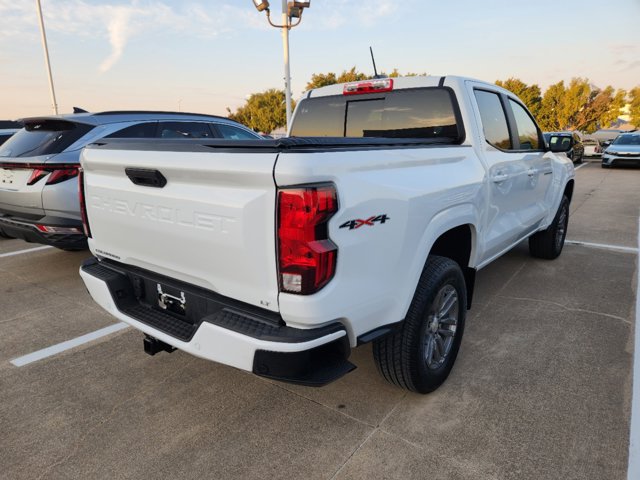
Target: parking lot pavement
{"points": [[541, 388]]}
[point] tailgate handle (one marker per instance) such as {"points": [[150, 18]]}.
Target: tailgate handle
{"points": [[145, 177]]}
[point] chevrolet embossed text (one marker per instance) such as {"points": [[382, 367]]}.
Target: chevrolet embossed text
{"points": [[159, 213]]}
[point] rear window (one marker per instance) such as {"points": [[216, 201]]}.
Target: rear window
{"points": [[43, 138], [413, 113]]}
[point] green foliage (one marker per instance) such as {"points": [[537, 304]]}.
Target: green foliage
{"points": [[551, 107], [262, 112], [323, 79], [634, 110], [529, 94], [578, 106]]}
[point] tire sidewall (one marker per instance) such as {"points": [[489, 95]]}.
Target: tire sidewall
{"points": [[426, 379], [564, 205]]}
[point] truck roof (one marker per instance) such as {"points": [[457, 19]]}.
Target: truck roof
{"points": [[421, 81]]}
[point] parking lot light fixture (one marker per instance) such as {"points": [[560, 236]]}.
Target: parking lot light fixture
{"points": [[261, 5], [290, 10]]}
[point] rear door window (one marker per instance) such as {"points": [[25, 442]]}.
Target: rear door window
{"points": [[494, 120], [184, 130], [428, 113], [139, 130], [234, 133], [46, 137]]}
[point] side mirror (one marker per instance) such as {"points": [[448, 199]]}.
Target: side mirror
{"points": [[559, 143]]}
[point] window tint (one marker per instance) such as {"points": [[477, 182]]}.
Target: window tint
{"points": [[494, 121], [627, 140], [139, 130], [183, 130], [527, 130], [234, 133], [4, 137], [43, 138], [419, 113]]}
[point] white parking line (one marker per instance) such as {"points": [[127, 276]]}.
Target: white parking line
{"points": [[20, 252], [633, 471], [580, 166], [61, 347], [604, 246]]}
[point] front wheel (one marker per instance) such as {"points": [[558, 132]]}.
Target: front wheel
{"points": [[420, 356], [548, 243]]}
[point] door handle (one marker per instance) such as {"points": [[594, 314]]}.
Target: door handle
{"points": [[500, 177], [145, 177], [531, 172]]}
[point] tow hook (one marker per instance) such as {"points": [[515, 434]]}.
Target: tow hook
{"points": [[152, 346]]}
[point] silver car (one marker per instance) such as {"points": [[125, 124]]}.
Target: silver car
{"points": [[39, 166], [624, 150]]}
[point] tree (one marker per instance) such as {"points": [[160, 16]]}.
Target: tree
{"points": [[577, 97], [634, 106], [323, 79], [529, 94], [263, 112], [550, 107], [603, 109]]}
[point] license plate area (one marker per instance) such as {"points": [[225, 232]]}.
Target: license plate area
{"points": [[171, 302]]}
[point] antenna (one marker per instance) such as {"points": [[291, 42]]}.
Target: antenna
{"points": [[375, 71]]}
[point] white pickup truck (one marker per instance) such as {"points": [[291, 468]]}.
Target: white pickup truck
{"points": [[367, 224]]}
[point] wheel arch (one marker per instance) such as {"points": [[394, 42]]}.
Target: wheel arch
{"points": [[458, 244], [451, 233], [568, 189]]}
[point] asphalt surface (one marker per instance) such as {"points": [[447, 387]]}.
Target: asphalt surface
{"points": [[541, 388]]}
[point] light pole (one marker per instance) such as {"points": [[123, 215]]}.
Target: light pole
{"points": [[46, 58], [290, 10]]}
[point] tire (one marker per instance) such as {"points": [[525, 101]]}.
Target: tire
{"points": [[408, 357], [580, 159], [604, 166], [4, 235], [548, 243]]}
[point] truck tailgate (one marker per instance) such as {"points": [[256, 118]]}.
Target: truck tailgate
{"points": [[212, 224]]}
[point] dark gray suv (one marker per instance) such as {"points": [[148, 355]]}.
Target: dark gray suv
{"points": [[39, 165]]}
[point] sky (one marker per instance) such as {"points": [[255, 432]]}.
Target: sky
{"points": [[207, 55]]}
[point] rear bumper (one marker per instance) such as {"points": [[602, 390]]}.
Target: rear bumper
{"points": [[28, 231], [218, 328]]}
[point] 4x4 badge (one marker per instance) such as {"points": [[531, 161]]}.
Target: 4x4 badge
{"points": [[371, 221]]}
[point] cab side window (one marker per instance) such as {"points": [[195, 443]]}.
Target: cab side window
{"points": [[184, 130], [527, 131], [494, 120]]}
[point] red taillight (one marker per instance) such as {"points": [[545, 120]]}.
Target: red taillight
{"points": [[83, 204], [368, 86], [307, 257], [36, 175], [59, 173]]}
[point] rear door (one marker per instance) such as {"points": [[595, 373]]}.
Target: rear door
{"points": [[187, 210], [507, 173]]}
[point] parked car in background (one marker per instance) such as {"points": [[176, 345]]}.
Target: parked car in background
{"points": [[39, 165], [625, 150], [6, 133], [570, 139], [592, 147]]}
